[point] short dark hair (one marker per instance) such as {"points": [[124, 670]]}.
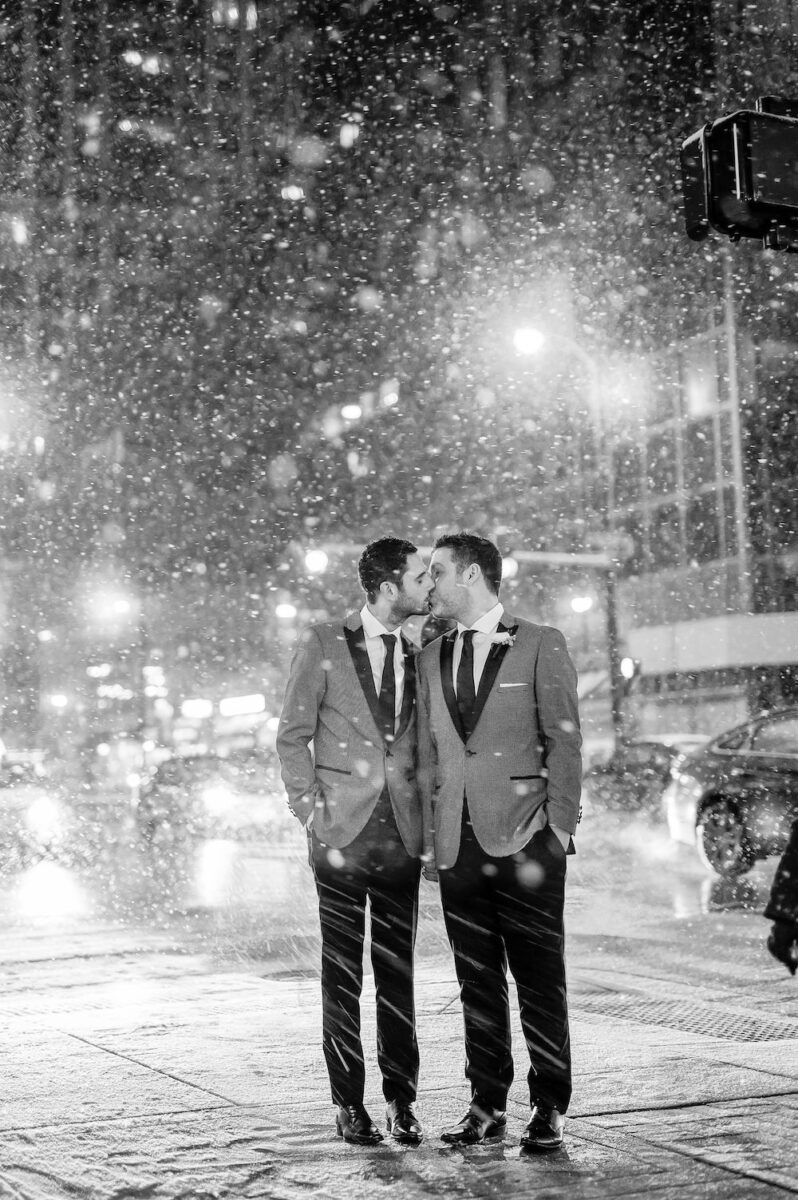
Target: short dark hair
{"points": [[383, 560], [470, 548]]}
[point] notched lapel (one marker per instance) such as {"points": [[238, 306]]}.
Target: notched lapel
{"points": [[447, 681], [356, 641], [490, 671], [409, 687]]}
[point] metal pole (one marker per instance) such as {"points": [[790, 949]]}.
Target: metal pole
{"points": [[614, 656], [740, 504]]}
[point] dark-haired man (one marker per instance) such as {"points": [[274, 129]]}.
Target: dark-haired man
{"points": [[500, 768], [351, 693]]}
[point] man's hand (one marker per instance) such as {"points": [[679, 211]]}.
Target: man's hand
{"points": [[783, 944]]}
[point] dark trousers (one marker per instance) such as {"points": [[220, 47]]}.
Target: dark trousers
{"points": [[374, 867], [501, 911]]}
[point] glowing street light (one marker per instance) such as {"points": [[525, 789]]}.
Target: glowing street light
{"points": [[529, 341], [317, 561]]}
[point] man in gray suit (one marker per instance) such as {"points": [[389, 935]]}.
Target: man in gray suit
{"points": [[500, 768], [351, 693]]}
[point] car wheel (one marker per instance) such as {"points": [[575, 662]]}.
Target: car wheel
{"points": [[723, 843]]}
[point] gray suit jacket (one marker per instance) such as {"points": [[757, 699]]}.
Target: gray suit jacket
{"points": [[331, 702], [521, 766]]}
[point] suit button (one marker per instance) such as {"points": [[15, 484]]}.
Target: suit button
{"points": [[471, 753], [389, 754]]}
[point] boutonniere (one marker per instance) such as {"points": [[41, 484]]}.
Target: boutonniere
{"points": [[504, 637]]}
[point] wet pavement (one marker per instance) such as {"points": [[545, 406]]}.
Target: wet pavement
{"points": [[161, 1025]]}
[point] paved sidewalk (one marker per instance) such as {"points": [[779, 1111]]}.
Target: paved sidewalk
{"points": [[159, 1075]]}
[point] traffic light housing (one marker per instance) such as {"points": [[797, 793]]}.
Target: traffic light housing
{"points": [[740, 176]]}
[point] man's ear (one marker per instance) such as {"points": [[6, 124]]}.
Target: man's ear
{"points": [[388, 589]]}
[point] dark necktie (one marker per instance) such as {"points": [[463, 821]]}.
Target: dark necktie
{"points": [[466, 695], [388, 689]]}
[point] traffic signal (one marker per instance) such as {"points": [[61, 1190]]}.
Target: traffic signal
{"points": [[740, 176]]}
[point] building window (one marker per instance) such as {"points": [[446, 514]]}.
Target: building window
{"points": [[666, 549], [702, 530], [661, 463], [699, 454]]}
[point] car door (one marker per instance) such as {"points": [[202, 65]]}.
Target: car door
{"points": [[770, 771]]}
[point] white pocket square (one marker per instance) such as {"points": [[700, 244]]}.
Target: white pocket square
{"points": [[512, 685]]}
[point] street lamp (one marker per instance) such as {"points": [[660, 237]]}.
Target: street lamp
{"points": [[532, 342]]}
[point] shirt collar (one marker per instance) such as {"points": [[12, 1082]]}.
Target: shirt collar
{"points": [[373, 627], [487, 623]]}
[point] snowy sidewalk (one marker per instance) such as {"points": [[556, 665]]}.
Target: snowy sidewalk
{"points": [[155, 1074]]}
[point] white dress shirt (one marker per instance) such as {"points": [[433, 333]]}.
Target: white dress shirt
{"points": [[484, 628], [374, 630]]}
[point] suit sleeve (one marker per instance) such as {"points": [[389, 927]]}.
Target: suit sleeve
{"points": [[307, 682], [558, 715], [425, 772]]}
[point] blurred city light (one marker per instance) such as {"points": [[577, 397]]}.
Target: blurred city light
{"points": [[348, 135], [389, 393], [46, 635], [509, 567], [197, 709], [285, 611], [317, 561], [237, 706], [528, 340], [58, 700], [581, 604], [351, 412], [628, 667]]}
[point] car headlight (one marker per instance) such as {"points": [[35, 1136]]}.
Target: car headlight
{"points": [[217, 799], [44, 819]]}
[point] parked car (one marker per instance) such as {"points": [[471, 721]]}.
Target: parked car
{"points": [[36, 820], [237, 796], [634, 776], [736, 798]]}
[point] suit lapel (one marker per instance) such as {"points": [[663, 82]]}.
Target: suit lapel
{"points": [[447, 681], [409, 686], [356, 641], [489, 673]]}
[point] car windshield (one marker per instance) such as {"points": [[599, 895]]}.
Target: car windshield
{"points": [[738, 739], [779, 736]]}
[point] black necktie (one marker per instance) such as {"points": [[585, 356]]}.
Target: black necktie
{"points": [[388, 689], [466, 695]]}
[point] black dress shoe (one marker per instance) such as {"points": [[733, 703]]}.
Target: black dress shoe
{"points": [[480, 1124], [353, 1124], [403, 1124], [544, 1129]]}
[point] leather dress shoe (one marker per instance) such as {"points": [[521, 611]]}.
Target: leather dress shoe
{"points": [[403, 1124], [353, 1124], [544, 1129], [481, 1123]]}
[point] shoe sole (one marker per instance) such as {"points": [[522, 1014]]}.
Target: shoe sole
{"points": [[496, 1136], [355, 1141], [541, 1148]]}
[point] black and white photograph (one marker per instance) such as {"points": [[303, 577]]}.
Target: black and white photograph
{"points": [[398, 599]]}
